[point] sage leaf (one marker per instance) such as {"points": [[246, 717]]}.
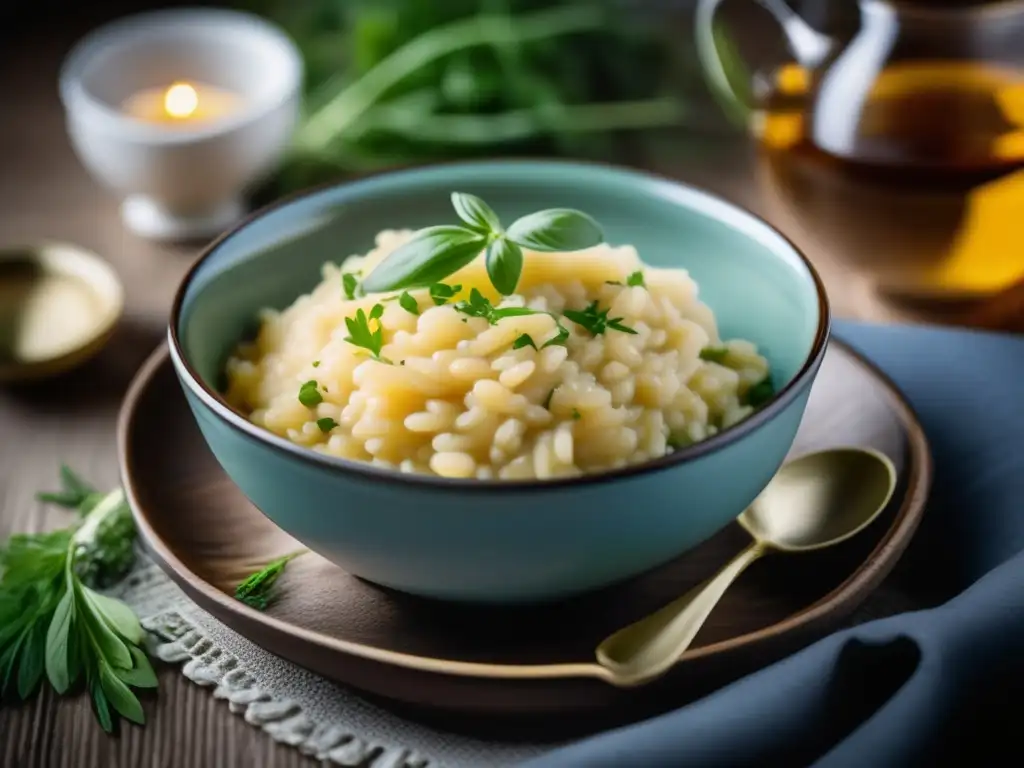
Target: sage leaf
{"points": [[32, 664], [429, 257], [477, 214], [120, 696], [118, 616], [139, 676], [107, 643], [556, 229], [102, 707], [57, 643], [504, 265]]}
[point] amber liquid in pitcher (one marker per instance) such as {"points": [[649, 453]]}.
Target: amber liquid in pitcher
{"points": [[925, 199], [961, 120]]}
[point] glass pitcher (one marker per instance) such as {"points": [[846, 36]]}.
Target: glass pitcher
{"points": [[918, 87]]}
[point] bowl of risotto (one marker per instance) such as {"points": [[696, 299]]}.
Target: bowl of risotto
{"points": [[504, 381]]}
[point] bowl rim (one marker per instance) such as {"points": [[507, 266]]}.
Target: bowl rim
{"points": [[215, 402]]}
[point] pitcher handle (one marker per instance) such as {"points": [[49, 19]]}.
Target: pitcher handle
{"points": [[808, 46]]}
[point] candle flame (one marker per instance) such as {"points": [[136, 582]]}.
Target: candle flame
{"points": [[181, 100]]}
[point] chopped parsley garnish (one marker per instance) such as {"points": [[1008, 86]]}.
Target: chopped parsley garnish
{"points": [[479, 306], [350, 284], [408, 303], [761, 392], [523, 340], [442, 294], [714, 354], [576, 415], [316, 363], [596, 320], [360, 334], [326, 424], [309, 394]]}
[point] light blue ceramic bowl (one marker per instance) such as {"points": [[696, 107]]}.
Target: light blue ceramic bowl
{"points": [[485, 541]]}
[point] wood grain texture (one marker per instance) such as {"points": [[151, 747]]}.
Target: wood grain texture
{"points": [[45, 193]]}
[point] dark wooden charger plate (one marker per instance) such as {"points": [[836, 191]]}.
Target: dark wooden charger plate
{"points": [[512, 662]]}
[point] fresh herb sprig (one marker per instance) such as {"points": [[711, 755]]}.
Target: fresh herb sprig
{"points": [[350, 285], [596, 321], [714, 354], [634, 279], [479, 306], [360, 334], [436, 252], [257, 591], [55, 626]]}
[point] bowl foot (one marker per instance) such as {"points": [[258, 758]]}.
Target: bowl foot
{"points": [[149, 219]]}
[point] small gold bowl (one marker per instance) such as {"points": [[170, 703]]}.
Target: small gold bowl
{"points": [[59, 305]]}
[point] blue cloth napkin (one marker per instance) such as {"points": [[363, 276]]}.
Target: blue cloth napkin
{"points": [[943, 686]]}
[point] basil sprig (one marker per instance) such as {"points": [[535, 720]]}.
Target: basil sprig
{"points": [[436, 252]]}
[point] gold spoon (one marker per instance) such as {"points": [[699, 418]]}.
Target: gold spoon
{"points": [[814, 502]]}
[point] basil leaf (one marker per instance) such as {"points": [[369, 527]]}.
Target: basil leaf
{"points": [[504, 265], [8, 660], [57, 643], [141, 675], [432, 255], [118, 616], [475, 212], [557, 229], [120, 696]]}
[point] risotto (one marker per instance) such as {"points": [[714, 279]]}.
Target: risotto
{"points": [[620, 364]]}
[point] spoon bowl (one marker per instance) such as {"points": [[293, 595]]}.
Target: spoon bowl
{"points": [[813, 502], [821, 499]]}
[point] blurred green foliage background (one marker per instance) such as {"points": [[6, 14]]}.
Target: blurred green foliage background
{"points": [[397, 82]]}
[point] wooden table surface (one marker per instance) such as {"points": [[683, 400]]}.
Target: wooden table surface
{"points": [[46, 194]]}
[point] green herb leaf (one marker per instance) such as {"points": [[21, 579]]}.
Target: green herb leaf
{"points": [[504, 265], [100, 703], [56, 653], [714, 354], [408, 303], [326, 424], [309, 393], [523, 340], [257, 590], [350, 284], [141, 675], [103, 638], [475, 212], [120, 696], [576, 415], [595, 320], [430, 256], [361, 335], [316, 363], [479, 306], [636, 279], [441, 294], [116, 615], [557, 229], [31, 664], [74, 490], [761, 392]]}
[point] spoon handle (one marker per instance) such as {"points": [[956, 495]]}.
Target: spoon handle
{"points": [[647, 648]]}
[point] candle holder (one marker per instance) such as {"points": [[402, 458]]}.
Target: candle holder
{"points": [[180, 112]]}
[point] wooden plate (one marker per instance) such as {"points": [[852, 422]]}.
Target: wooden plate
{"points": [[512, 661]]}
